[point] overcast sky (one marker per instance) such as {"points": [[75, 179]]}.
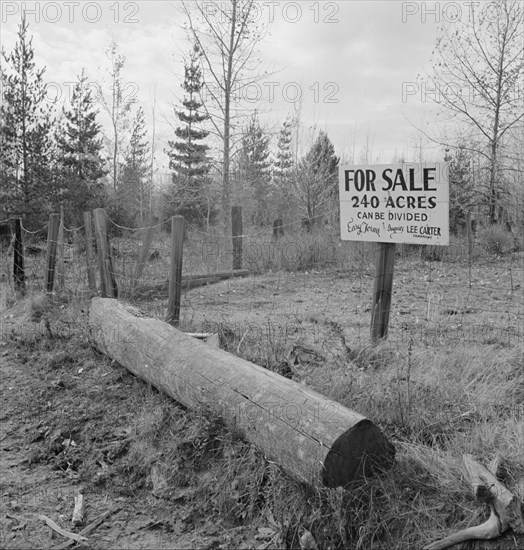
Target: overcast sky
{"points": [[354, 63]]}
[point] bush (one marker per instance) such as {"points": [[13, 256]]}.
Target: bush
{"points": [[496, 240]]}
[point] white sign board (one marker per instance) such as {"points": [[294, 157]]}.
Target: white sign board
{"points": [[395, 203]]}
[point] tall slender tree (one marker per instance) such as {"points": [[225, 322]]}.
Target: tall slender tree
{"points": [[119, 107], [283, 170], [25, 125], [254, 174], [461, 188], [80, 147], [227, 39], [134, 187], [189, 162]]}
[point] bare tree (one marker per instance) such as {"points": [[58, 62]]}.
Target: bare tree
{"points": [[227, 35], [478, 72], [153, 151], [118, 108]]}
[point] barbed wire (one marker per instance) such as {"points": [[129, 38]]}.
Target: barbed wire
{"points": [[32, 232], [134, 229], [73, 229], [473, 297]]}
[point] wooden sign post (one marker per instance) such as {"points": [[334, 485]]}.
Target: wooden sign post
{"points": [[388, 204], [382, 291]]}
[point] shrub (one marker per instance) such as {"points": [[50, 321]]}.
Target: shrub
{"points": [[496, 240]]}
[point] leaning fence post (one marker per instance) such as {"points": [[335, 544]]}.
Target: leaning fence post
{"points": [[175, 272], [52, 241], [107, 279], [18, 257], [236, 224], [90, 255]]}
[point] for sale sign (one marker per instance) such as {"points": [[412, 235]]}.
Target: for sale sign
{"points": [[395, 203]]}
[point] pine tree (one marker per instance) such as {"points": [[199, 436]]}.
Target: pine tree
{"points": [[80, 145], [188, 157], [284, 157], [317, 181], [25, 137], [134, 187], [461, 188], [253, 174], [283, 168]]}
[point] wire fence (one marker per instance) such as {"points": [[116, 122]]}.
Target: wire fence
{"points": [[302, 285]]}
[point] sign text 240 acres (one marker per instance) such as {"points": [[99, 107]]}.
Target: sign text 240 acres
{"points": [[395, 203]]}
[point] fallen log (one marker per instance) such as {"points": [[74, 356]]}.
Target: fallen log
{"points": [[313, 438], [195, 281], [222, 275]]}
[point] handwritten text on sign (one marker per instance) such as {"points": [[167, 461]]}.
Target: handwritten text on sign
{"points": [[395, 203]]}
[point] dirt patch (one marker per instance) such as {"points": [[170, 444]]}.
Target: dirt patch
{"points": [[69, 424]]}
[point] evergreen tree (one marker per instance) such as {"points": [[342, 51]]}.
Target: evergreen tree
{"points": [[188, 157], [317, 179], [25, 126], [134, 186], [254, 176], [283, 168], [80, 145], [461, 188]]}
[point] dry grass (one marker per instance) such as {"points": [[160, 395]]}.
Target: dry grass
{"points": [[434, 399]]}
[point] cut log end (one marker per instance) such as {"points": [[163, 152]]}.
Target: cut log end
{"points": [[359, 453]]}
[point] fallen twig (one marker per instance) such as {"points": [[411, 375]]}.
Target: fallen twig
{"points": [[91, 527], [63, 532]]}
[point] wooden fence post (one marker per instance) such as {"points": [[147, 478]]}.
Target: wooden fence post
{"points": [[382, 291], [60, 252], [18, 257], [278, 229], [175, 272], [471, 236], [90, 254], [236, 224], [146, 245], [107, 279], [52, 242]]}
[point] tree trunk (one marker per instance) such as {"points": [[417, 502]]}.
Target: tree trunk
{"points": [[314, 439]]}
